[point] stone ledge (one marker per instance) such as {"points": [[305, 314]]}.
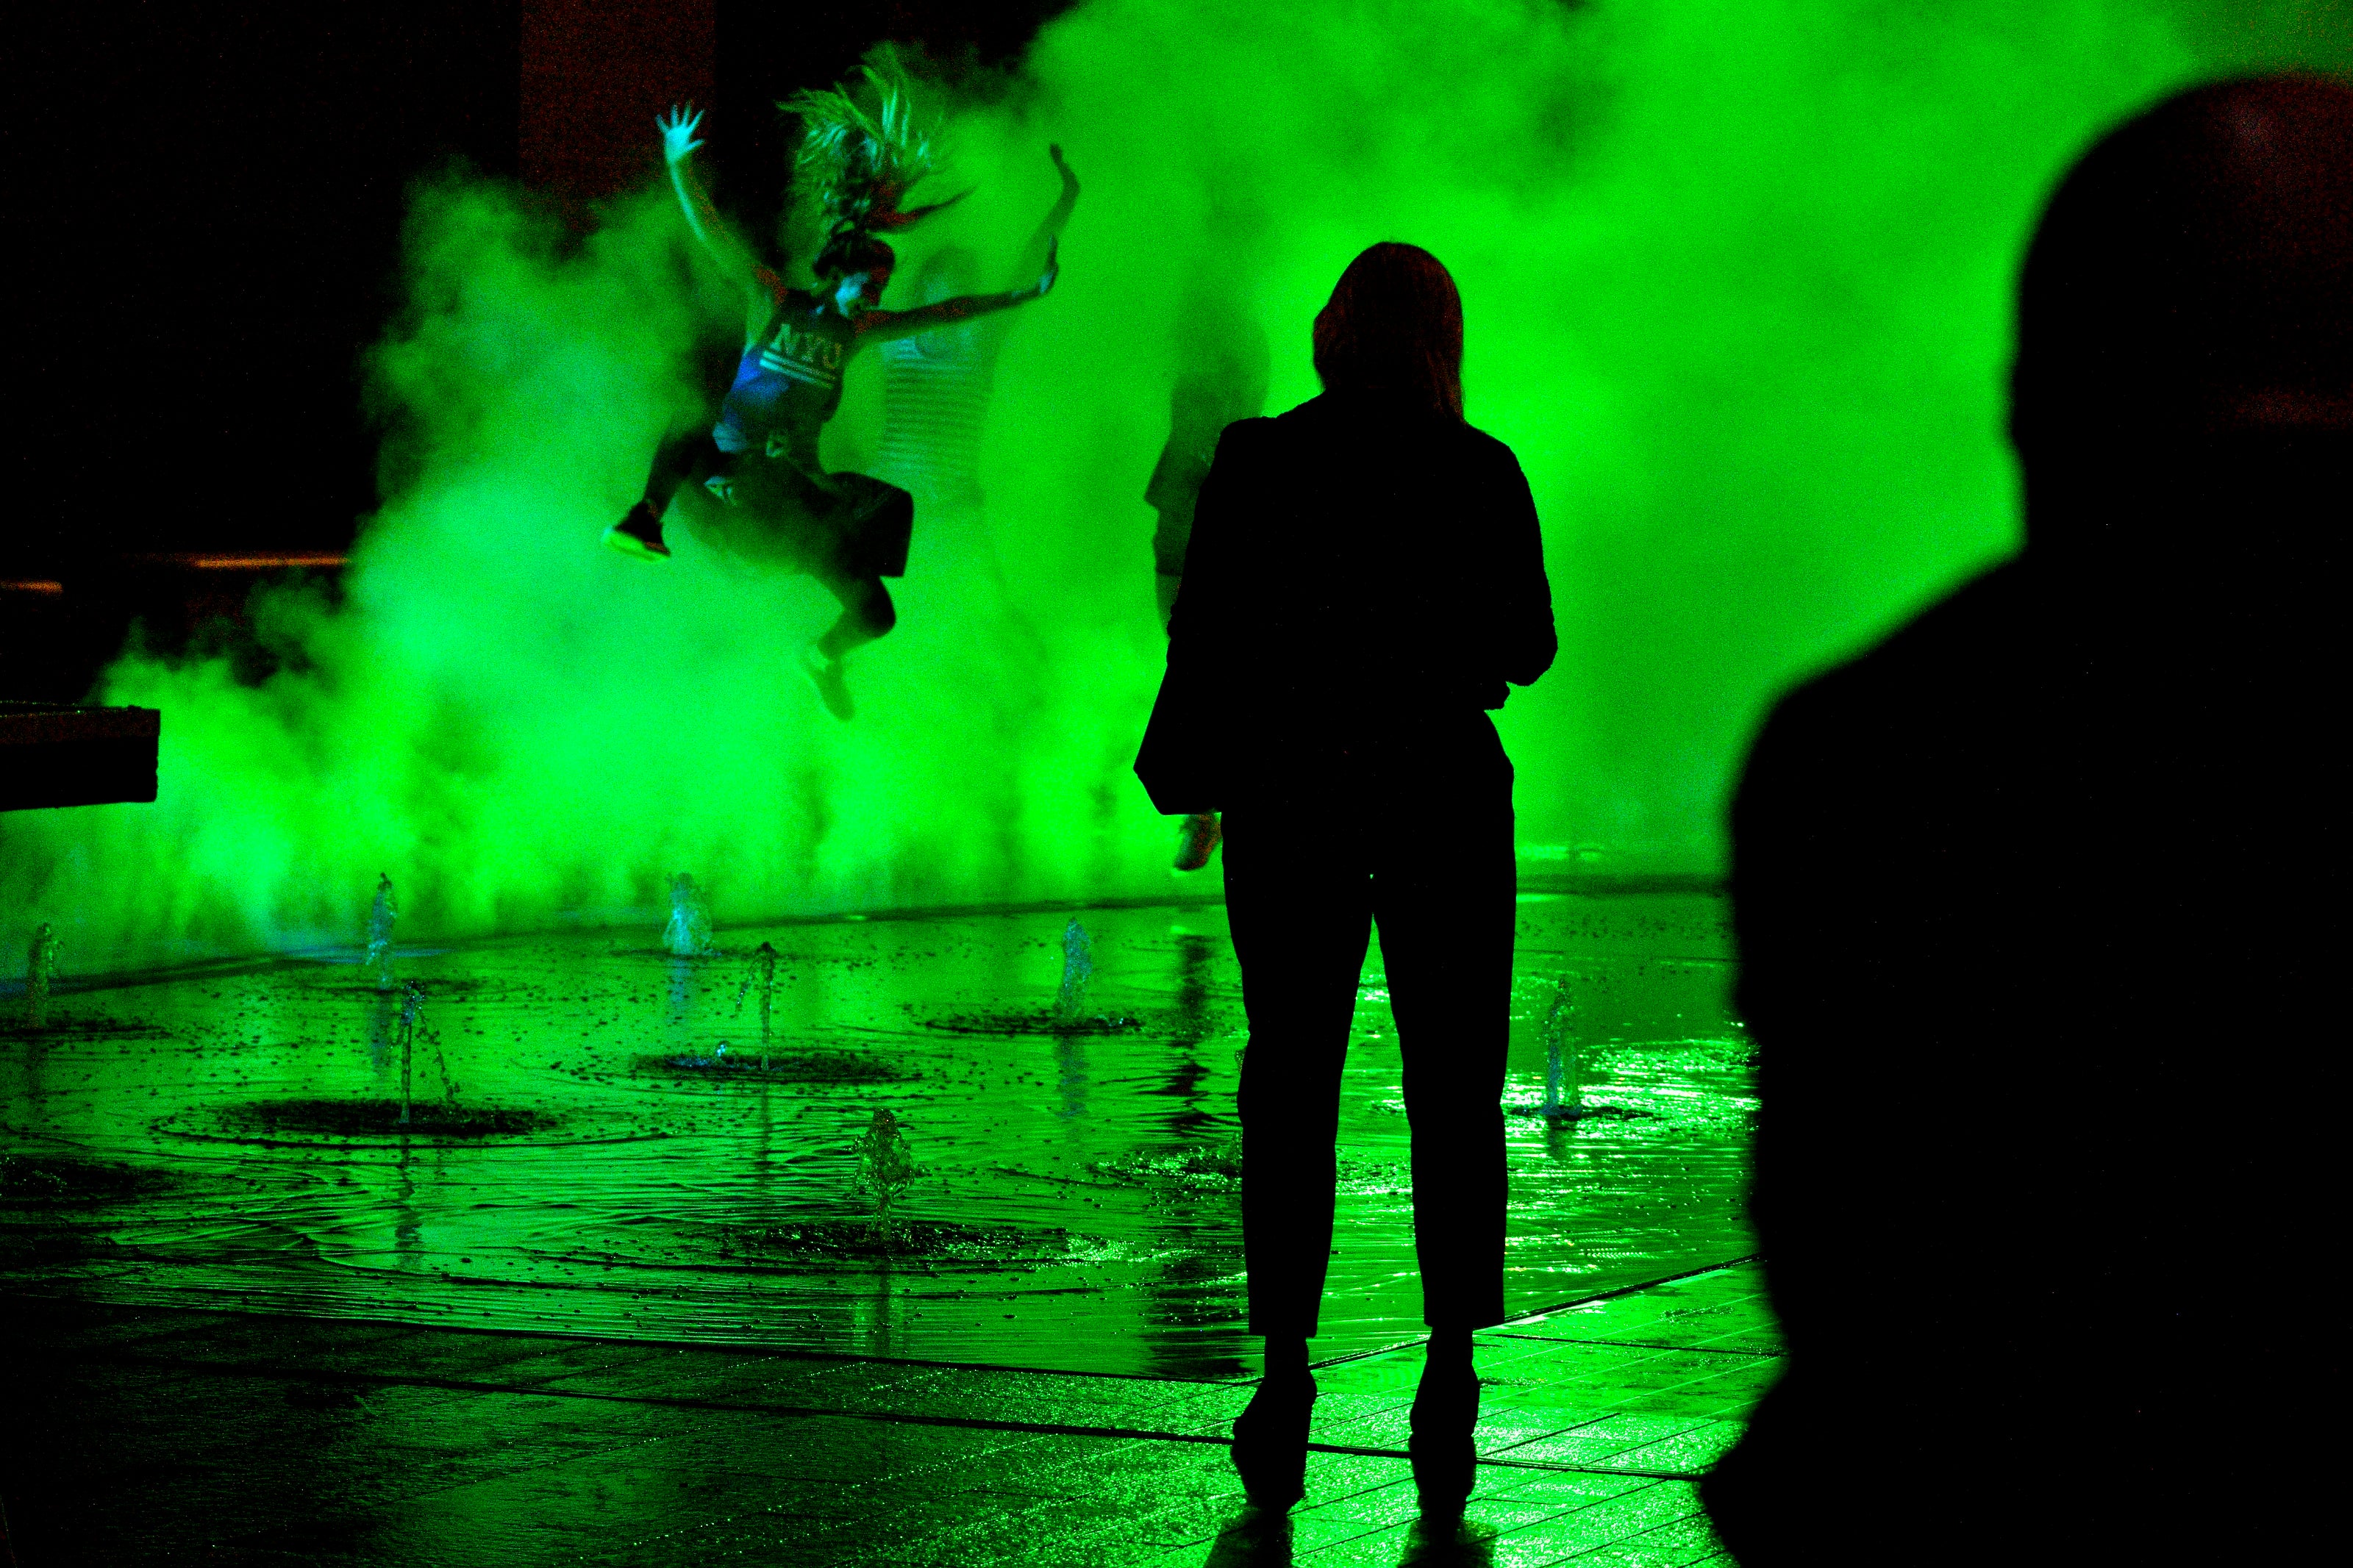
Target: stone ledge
{"points": [[58, 755]]}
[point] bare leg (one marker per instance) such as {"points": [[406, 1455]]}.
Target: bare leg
{"points": [[867, 614], [675, 460]]}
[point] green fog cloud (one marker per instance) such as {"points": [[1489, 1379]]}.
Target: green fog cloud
{"points": [[1736, 274]]}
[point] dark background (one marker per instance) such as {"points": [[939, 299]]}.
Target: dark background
{"points": [[207, 205]]}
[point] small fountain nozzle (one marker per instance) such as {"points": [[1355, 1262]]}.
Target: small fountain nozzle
{"points": [[886, 1166], [40, 969], [687, 935], [412, 1002], [1077, 971], [380, 915], [1561, 1088]]}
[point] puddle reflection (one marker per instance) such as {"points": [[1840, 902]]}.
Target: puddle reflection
{"points": [[1077, 1207]]}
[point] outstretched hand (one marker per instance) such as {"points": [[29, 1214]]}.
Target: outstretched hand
{"points": [[678, 129], [1053, 269], [1070, 179]]}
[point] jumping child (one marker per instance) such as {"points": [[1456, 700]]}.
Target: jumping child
{"points": [[760, 461]]}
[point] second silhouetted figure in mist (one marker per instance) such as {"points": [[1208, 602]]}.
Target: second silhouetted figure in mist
{"points": [[1365, 581], [2039, 906]]}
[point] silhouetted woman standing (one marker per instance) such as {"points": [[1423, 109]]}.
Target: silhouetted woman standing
{"points": [[1365, 576]]}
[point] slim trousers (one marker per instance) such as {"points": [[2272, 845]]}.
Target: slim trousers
{"points": [[1418, 842]]}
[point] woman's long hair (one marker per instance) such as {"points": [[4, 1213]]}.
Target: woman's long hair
{"points": [[1393, 327]]}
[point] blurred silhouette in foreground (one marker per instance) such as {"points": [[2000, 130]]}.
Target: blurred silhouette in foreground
{"points": [[2046, 1177], [1364, 575]]}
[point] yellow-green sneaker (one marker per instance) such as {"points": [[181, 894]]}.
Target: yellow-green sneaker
{"points": [[639, 534]]}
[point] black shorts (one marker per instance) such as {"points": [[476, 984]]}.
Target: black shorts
{"points": [[850, 525]]}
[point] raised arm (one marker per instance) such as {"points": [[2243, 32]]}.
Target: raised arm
{"points": [[1035, 255], [881, 326], [678, 143]]}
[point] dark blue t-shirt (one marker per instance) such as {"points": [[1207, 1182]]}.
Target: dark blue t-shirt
{"points": [[788, 382]]}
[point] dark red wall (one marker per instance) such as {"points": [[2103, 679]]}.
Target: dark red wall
{"points": [[594, 75]]}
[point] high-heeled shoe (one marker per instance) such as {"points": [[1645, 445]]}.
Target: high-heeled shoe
{"points": [[1271, 1441], [1445, 1460]]}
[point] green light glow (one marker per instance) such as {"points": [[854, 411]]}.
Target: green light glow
{"points": [[1736, 276]]}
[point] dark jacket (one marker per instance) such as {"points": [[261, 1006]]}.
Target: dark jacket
{"points": [[2040, 944], [1360, 576]]}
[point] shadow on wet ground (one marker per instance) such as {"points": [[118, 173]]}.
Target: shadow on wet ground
{"points": [[239, 1277]]}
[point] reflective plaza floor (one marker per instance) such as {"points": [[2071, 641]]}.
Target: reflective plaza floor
{"points": [[617, 1292]]}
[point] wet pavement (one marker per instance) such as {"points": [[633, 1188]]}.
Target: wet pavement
{"points": [[683, 1319], [149, 1436]]}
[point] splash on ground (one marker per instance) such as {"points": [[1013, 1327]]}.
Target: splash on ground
{"points": [[586, 1157]]}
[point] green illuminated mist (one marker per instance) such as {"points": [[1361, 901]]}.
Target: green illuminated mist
{"points": [[1737, 277]]}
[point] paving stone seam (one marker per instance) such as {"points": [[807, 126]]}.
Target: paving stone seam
{"points": [[671, 1402], [802, 1412], [1710, 1553], [1534, 1312], [1131, 1523], [751, 1352], [1314, 1510], [1552, 1518], [1636, 1345], [1528, 1526]]}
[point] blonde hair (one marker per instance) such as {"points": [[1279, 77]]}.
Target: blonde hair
{"points": [[855, 163]]}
